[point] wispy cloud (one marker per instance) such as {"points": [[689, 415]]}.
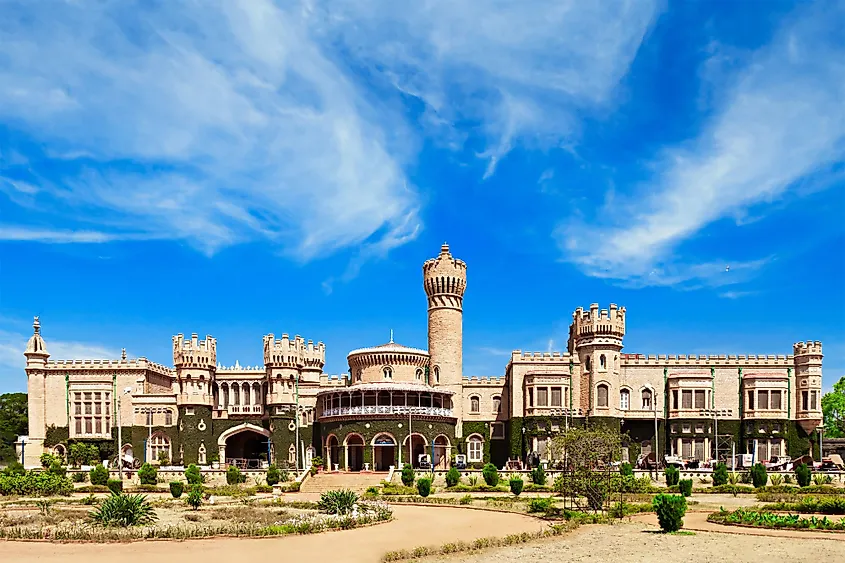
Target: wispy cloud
{"points": [[781, 118], [736, 294], [213, 123]]}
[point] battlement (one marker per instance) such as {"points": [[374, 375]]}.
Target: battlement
{"points": [[111, 365], [194, 352], [494, 381], [807, 348], [546, 357], [711, 360], [596, 322], [444, 274], [296, 353], [339, 380]]}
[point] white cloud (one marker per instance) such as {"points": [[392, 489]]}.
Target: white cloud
{"points": [[781, 119], [208, 122]]}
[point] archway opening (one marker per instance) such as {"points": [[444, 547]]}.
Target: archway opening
{"points": [[417, 448], [354, 453], [333, 452], [384, 452], [441, 452], [246, 449]]}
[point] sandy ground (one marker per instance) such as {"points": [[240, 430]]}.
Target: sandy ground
{"points": [[637, 541], [412, 526]]}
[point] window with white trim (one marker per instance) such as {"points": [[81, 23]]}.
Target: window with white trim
{"points": [[475, 449], [474, 405], [646, 396], [624, 399], [388, 372], [497, 404], [159, 444], [91, 413]]}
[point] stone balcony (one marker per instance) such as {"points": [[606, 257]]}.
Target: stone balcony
{"points": [[386, 410], [224, 413]]}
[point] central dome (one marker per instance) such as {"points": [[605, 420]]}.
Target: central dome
{"points": [[389, 362]]}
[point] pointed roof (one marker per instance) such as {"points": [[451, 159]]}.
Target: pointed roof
{"points": [[36, 345]]}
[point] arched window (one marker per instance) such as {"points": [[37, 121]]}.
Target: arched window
{"points": [[419, 374], [587, 363], [497, 404], [168, 417], [292, 454], [388, 372], [159, 446], [437, 374], [359, 375], [601, 395], [475, 449], [646, 399], [474, 404], [624, 399], [603, 361]]}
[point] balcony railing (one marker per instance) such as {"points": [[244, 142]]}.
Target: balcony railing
{"points": [[245, 409], [386, 409]]}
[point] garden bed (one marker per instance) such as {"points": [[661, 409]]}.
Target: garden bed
{"points": [[773, 520]]}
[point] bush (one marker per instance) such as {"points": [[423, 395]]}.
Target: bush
{"points": [[776, 480], [194, 499], [720, 475], [670, 511], [115, 485], [148, 474], [57, 469], [163, 458], [234, 476], [124, 510], [626, 469], [176, 488], [424, 486], [538, 475], [99, 475], [80, 453], [408, 475], [35, 483], [490, 474], [47, 459], [79, 477], [453, 477], [803, 475], [516, 484], [273, 475], [540, 505], [337, 502], [673, 475], [316, 461], [193, 475], [685, 487], [14, 468], [759, 477]]}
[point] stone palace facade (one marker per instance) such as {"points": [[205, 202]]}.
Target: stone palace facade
{"points": [[397, 402]]}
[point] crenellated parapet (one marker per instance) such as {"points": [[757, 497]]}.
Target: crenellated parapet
{"points": [[543, 357], [493, 381], [111, 366], [293, 353], [445, 280], [807, 348], [194, 353], [705, 360], [597, 324]]}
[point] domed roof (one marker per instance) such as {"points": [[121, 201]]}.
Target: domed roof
{"points": [[389, 347], [36, 343]]}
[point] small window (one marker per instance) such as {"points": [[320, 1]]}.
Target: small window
{"points": [[646, 399], [360, 375], [776, 401], [601, 396], [673, 428], [750, 400], [418, 375], [189, 411], [542, 397], [497, 405], [437, 374], [700, 397], [530, 397], [763, 400], [475, 449], [675, 399], [814, 405], [556, 397], [603, 362], [388, 373], [624, 399], [474, 405], [686, 399], [497, 431], [805, 402], [587, 363], [686, 428], [699, 429], [168, 418]]}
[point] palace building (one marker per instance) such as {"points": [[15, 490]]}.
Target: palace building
{"points": [[288, 411]]}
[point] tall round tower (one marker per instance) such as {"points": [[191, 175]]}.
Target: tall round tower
{"points": [[445, 279]]}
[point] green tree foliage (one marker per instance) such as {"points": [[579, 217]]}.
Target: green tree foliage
{"points": [[490, 474], [516, 485], [115, 485], [273, 475], [424, 486], [453, 477], [538, 475], [13, 423], [99, 475], [627, 469], [685, 487], [803, 475], [194, 499], [80, 453], [673, 475], [759, 476], [56, 468], [670, 511], [720, 475], [193, 475], [833, 409], [234, 476], [408, 475], [148, 474], [34, 483], [47, 459], [337, 502], [176, 488]]}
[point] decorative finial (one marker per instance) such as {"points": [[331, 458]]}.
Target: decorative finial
{"points": [[391, 336], [123, 354], [36, 325], [445, 248]]}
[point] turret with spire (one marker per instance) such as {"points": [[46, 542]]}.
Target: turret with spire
{"points": [[36, 350]]}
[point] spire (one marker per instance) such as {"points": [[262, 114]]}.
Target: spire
{"points": [[123, 354], [391, 336], [36, 348], [36, 325], [444, 250]]}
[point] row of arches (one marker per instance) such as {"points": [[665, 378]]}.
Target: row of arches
{"points": [[475, 404], [239, 394], [588, 362], [386, 451]]}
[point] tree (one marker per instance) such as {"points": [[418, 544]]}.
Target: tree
{"points": [[13, 423], [833, 409]]}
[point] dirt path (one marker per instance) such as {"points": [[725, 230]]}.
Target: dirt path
{"points": [[412, 526]]}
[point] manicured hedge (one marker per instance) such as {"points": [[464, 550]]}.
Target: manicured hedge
{"points": [[35, 483]]}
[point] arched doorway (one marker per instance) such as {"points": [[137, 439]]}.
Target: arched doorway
{"points": [[244, 445], [354, 452], [419, 445], [441, 452], [332, 452], [384, 452]]}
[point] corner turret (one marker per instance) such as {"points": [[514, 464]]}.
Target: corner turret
{"points": [[36, 350], [808, 383]]}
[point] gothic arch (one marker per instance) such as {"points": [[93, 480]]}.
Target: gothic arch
{"points": [[221, 441]]}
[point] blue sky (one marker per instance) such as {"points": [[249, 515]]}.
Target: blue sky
{"points": [[199, 167]]}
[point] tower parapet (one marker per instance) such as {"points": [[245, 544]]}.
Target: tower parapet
{"points": [[445, 280], [594, 323], [296, 353], [809, 348], [194, 353]]}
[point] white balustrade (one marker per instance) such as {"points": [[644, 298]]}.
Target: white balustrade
{"points": [[387, 409]]}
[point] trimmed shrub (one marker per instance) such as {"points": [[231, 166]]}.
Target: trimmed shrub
{"points": [[720, 475], [57, 469], [337, 502], [99, 475], [673, 475], [453, 477], [234, 476], [670, 511], [408, 475], [759, 476], [685, 487], [115, 485], [803, 475], [490, 474], [540, 504], [176, 488], [193, 475], [424, 486], [273, 475], [124, 510], [35, 483], [516, 484], [148, 474], [538, 475], [79, 477], [626, 469], [194, 499], [14, 468], [47, 459]]}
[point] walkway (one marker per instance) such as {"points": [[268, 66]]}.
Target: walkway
{"points": [[412, 526]]}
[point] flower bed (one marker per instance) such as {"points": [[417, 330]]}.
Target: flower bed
{"points": [[765, 519]]}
